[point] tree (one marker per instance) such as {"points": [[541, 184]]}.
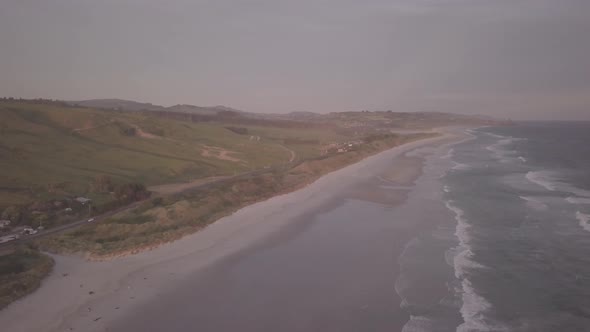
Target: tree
{"points": [[12, 213], [103, 183], [131, 192]]}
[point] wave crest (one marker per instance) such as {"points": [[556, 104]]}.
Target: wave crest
{"points": [[584, 220]]}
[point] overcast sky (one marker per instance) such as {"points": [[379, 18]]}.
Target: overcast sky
{"points": [[508, 58]]}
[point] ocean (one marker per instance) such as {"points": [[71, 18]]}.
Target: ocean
{"points": [[518, 252]]}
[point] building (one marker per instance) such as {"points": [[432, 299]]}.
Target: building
{"points": [[28, 231]]}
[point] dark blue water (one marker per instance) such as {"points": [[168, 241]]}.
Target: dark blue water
{"points": [[521, 196]]}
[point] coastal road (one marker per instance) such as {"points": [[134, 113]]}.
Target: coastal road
{"points": [[62, 228], [172, 189]]}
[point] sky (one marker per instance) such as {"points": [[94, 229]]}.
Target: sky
{"points": [[519, 59]]}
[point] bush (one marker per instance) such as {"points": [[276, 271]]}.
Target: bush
{"points": [[125, 129], [157, 201], [131, 192], [21, 273]]}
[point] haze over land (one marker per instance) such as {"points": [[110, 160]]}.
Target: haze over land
{"points": [[524, 59]]}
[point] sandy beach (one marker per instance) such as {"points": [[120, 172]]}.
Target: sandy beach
{"points": [[323, 258]]}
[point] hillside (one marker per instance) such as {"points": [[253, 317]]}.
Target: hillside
{"points": [[50, 151]]}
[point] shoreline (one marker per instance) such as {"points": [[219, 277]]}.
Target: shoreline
{"points": [[89, 299], [221, 200]]}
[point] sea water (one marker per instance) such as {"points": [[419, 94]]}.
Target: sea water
{"points": [[521, 200]]}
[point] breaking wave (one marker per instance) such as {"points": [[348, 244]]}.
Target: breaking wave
{"points": [[534, 203], [584, 220], [474, 306], [543, 179]]}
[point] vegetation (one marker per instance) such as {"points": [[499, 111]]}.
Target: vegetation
{"points": [[166, 219], [48, 213], [21, 273], [49, 151]]}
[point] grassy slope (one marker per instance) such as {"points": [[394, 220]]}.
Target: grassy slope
{"points": [[43, 155]]}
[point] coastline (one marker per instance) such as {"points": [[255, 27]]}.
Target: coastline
{"points": [[91, 295], [196, 209]]}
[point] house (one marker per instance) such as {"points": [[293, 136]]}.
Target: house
{"points": [[28, 231], [4, 223], [82, 200]]}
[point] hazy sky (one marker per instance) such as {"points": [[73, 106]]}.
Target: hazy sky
{"points": [[510, 58]]}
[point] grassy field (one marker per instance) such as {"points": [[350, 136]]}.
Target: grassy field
{"points": [[21, 273], [50, 151]]}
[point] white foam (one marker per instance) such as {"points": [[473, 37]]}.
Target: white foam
{"points": [[584, 220], [449, 154], [473, 310], [419, 324], [473, 305], [534, 203], [464, 263], [462, 225], [523, 159], [506, 141], [498, 153], [446, 189], [577, 200], [542, 178], [496, 136], [450, 255], [461, 167], [552, 182]]}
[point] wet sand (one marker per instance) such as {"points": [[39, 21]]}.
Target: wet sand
{"points": [[321, 258]]}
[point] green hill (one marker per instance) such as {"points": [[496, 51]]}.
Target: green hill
{"points": [[48, 150]]}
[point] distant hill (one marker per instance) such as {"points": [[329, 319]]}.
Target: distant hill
{"points": [[129, 105], [350, 119], [302, 115], [205, 110], [193, 109], [117, 104]]}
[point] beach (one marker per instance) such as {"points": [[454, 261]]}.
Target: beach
{"points": [[326, 257]]}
